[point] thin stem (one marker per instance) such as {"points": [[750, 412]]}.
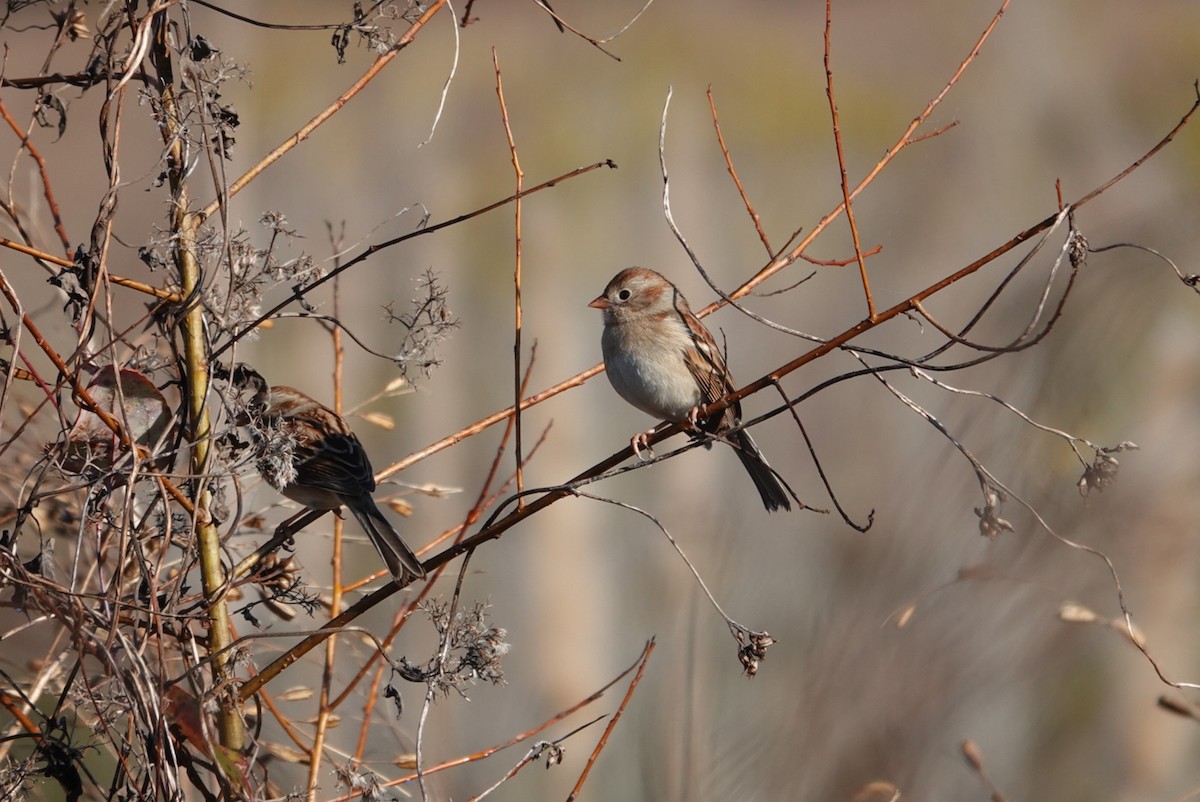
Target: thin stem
{"points": [[518, 321]]}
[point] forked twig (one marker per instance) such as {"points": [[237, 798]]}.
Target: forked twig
{"points": [[737, 182], [612, 722], [523, 736], [279, 151], [841, 160]]}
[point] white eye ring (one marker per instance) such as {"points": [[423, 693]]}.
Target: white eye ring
{"points": [[623, 295]]}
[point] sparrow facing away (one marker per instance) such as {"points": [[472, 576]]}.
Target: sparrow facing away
{"points": [[324, 467]]}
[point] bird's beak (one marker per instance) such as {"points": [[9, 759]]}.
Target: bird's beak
{"points": [[600, 302]]}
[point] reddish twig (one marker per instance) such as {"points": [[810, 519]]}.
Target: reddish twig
{"points": [[762, 235], [517, 317], [843, 262], [841, 158], [519, 737], [333, 108], [128, 283], [908, 137], [612, 723], [326, 706], [47, 191]]}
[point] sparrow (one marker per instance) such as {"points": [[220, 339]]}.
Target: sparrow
{"points": [[661, 359], [310, 455]]}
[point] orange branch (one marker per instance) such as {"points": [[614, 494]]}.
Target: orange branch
{"points": [[841, 157], [316, 122]]}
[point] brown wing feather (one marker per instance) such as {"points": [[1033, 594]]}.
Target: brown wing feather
{"points": [[707, 367], [343, 467]]}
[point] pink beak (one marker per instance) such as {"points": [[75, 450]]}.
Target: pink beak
{"points": [[600, 303]]}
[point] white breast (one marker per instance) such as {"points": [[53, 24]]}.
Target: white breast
{"points": [[650, 373]]}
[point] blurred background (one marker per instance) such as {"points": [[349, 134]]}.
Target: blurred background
{"points": [[1069, 91]]}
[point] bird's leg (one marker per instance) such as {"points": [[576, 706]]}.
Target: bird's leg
{"points": [[283, 534], [286, 531]]}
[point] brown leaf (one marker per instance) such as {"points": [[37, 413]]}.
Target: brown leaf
{"points": [[91, 445]]}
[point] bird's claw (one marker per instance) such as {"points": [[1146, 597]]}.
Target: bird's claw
{"points": [[639, 442]]}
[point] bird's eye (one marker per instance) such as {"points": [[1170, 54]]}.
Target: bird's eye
{"points": [[623, 295]]}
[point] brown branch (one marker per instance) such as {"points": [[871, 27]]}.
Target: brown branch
{"points": [[47, 191], [564, 25], [373, 249], [843, 262], [841, 158], [518, 321], [128, 283], [275, 26], [907, 138], [910, 304], [612, 723], [333, 108], [1161, 144], [762, 235], [522, 736], [83, 80]]}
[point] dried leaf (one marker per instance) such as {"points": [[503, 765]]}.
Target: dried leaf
{"points": [[437, 491], [380, 419], [233, 765], [333, 720], [91, 445], [184, 712], [296, 694], [287, 754], [877, 789], [1077, 613], [400, 507]]}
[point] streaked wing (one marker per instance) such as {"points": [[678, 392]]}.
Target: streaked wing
{"points": [[338, 463], [707, 367]]}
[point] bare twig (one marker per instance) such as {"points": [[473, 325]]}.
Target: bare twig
{"points": [[841, 159], [612, 722], [518, 322]]}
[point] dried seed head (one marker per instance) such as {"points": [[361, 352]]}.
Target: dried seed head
{"points": [[991, 524]]}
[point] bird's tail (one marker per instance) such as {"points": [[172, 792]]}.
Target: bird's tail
{"points": [[395, 552], [770, 487]]}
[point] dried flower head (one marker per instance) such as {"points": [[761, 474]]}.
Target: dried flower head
{"points": [[991, 525]]}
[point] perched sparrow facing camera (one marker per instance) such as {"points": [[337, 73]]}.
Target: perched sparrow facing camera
{"points": [[660, 358], [322, 465]]}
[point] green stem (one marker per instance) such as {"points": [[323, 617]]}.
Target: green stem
{"points": [[184, 225]]}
